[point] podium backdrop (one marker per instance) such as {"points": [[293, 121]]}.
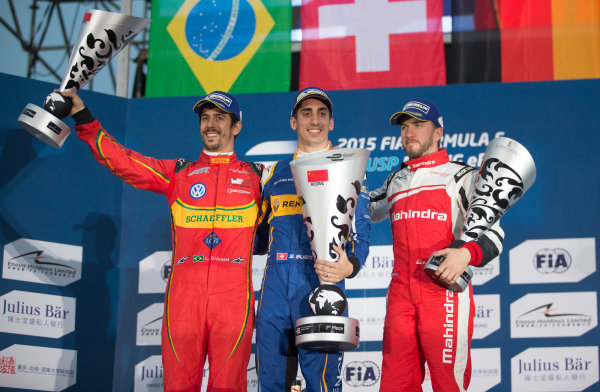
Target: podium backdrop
{"points": [[85, 256]]}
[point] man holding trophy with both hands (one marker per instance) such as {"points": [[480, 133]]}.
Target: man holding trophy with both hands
{"points": [[300, 273]]}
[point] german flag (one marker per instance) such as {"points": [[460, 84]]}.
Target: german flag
{"points": [[550, 40], [523, 40]]}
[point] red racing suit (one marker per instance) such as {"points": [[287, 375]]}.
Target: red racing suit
{"points": [[426, 201], [209, 300]]}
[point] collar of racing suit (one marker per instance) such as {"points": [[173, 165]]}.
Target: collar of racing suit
{"points": [[431, 160], [299, 153], [217, 158]]}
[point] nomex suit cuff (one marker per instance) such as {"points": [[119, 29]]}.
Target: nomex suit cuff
{"points": [[84, 116], [355, 266]]}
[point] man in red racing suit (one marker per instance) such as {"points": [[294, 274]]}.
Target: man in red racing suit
{"points": [[209, 300], [426, 201]]}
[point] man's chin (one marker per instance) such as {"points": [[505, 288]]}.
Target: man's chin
{"points": [[212, 147]]}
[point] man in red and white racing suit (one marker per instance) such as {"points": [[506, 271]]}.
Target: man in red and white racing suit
{"points": [[209, 300], [426, 201]]}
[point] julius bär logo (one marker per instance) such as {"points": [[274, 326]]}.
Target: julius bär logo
{"points": [[361, 373], [198, 190], [549, 261]]}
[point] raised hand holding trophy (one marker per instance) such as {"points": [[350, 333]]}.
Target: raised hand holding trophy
{"points": [[101, 37], [507, 172], [329, 183]]}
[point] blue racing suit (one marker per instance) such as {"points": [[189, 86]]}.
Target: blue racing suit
{"points": [[288, 280]]}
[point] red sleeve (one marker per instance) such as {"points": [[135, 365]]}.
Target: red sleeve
{"points": [[475, 252], [133, 168]]}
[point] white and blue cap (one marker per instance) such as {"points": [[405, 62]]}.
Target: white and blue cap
{"points": [[316, 93], [420, 109], [223, 101]]}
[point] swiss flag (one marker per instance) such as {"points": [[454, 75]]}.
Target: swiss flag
{"points": [[357, 44]]}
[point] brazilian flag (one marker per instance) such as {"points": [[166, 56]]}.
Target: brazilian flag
{"points": [[238, 46]]}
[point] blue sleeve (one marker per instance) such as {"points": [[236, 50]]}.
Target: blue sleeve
{"points": [[358, 241]]}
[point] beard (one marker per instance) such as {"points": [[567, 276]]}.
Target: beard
{"points": [[216, 142], [419, 151]]}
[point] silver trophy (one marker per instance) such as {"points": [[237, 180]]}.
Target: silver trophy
{"points": [[101, 36], [507, 172], [329, 183]]}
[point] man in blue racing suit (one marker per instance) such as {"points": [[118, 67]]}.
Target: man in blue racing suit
{"points": [[291, 273]]}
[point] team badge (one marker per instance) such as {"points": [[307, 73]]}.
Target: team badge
{"points": [[212, 240], [197, 191]]}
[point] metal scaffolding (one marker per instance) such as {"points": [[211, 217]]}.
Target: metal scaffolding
{"points": [[50, 32]]}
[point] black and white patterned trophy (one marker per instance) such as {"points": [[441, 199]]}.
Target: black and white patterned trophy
{"points": [[329, 183], [507, 172], [101, 36]]}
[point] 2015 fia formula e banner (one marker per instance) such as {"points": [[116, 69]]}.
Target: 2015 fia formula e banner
{"points": [[240, 46]]}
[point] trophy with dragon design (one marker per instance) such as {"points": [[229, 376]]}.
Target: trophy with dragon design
{"points": [[507, 172], [101, 37], [329, 184]]}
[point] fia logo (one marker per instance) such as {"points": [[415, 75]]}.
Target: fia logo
{"points": [[361, 373], [549, 261], [198, 190]]}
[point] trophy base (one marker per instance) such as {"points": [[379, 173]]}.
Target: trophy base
{"points": [[44, 125], [461, 283], [327, 333]]}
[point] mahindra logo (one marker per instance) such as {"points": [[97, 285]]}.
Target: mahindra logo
{"points": [[427, 214]]}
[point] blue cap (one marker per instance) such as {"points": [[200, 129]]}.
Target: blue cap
{"points": [[313, 92], [223, 101], [420, 109]]}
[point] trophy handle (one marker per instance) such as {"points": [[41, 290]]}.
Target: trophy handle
{"points": [[461, 283]]}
